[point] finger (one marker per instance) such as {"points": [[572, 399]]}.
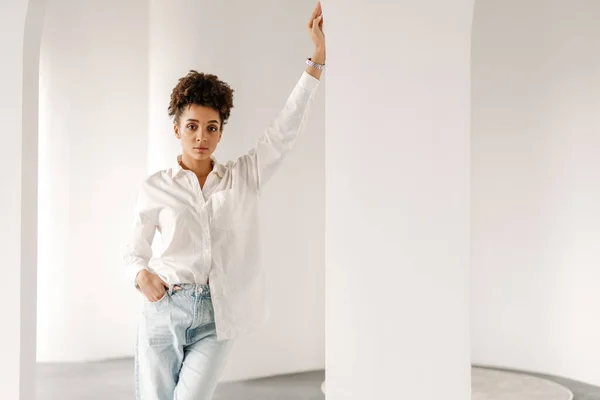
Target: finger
{"points": [[314, 15], [316, 11], [150, 297], [316, 23], [177, 287], [159, 295]]}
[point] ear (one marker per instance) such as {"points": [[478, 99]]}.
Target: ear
{"points": [[176, 130]]}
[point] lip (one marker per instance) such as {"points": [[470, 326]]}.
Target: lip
{"points": [[201, 148]]}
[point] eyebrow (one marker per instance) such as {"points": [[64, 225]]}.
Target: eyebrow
{"points": [[195, 120]]}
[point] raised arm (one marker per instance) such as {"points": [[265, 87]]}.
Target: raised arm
{"points": [[279, 138]]}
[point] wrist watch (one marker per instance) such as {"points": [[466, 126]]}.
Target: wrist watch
{"points": [[314, 64]]}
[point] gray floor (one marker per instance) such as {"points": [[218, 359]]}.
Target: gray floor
{"points": [[114, 380], [581, 391]]}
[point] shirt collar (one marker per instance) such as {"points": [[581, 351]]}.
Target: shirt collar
{"points": [[217, 168]]}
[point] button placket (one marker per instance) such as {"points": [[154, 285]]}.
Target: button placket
{"points": [[207, 241]]}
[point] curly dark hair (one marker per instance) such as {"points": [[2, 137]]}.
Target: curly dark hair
{"points": [[203, 90]]}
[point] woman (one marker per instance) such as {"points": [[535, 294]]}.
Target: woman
{"points": [[206, 287]]}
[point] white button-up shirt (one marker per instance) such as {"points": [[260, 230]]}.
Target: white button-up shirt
{"points": [[212, 233]]}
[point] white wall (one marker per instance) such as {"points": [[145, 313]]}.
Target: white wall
{"points": [[536, 135], [18, 165], [258, 48], [93, 145], [12, 19], [397, 161]]}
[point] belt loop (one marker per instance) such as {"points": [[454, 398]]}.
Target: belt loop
{"points": [[171, 289]]}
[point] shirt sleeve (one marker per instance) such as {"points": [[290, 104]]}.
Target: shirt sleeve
{"points": [[280, 137], [138, 251]]}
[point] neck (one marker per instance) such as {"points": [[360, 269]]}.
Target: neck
{"points": [[199, 167]]}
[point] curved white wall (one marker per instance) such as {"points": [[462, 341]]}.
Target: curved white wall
{"points": [[19, 50], [93, 141], [259, 48], [535, 175], [398, 106]]}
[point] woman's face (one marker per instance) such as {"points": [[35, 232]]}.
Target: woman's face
{"points": [[199, 130]]}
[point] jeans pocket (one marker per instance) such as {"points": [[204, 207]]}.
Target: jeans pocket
{"points": [[162, 299]]}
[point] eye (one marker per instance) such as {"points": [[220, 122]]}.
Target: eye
{"points": [[191, 127], [213, 129]]}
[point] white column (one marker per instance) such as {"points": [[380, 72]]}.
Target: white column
{"points": [[178, 42], [536, 224], [18, 177], [93, 138], [398, 103], [259, 48]]}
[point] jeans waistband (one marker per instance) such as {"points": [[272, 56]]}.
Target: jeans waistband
{"points": [[200, 289]]}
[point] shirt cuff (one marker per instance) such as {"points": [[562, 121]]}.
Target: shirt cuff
{"points": [[309, 82]]}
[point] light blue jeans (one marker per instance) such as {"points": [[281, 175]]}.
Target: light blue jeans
{"points": [[178, 356]]}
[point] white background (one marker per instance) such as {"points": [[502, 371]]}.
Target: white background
{"points": [[536, 192]]}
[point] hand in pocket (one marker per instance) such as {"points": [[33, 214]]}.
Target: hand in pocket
{"points": [[152, 286]]}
